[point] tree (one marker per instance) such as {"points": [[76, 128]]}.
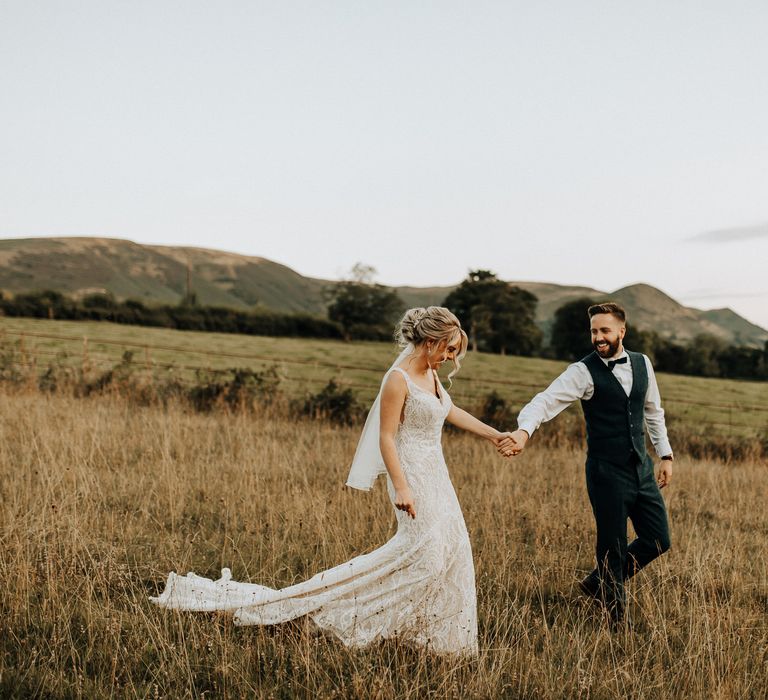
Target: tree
{"points": [[703, 353], [466, 301], [498, 316], [670, 357], [570, 330], [739, 362], [362, 308], [642, 341]]}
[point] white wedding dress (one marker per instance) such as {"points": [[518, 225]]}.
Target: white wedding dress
{"points": [[419, 587]]}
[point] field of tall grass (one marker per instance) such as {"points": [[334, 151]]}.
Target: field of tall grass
{"points": [[101, 497]]}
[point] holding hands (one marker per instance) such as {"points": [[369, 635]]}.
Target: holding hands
{"points": [[511, 444]]}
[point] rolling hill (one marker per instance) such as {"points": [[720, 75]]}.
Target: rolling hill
{"points": [[158, 274]]}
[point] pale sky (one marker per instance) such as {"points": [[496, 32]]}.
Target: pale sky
{"points": [[594, 143]]}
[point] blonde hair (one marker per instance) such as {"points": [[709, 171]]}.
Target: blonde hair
{"points": [[435, 323]]}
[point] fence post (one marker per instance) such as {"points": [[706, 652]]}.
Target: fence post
{"points": [[22, 349], [25, 362]]}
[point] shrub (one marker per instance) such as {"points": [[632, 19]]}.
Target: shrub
{"points": [[497, 413], [245, 388], [332, 403], [119, 376], [10, 365]]}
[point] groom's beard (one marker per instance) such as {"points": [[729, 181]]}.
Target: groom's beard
{"points": [[608, 350]]}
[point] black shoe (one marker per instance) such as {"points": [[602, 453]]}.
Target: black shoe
{"points": [[590, 586]]}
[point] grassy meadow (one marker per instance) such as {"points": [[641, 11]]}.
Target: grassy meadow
{"points": [[101, 497]]}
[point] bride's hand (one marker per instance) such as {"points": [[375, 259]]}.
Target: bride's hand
{"points": [[404, 501]]}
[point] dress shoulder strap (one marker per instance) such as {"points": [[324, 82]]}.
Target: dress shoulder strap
{"points": [[408, 380], [403, 372]]}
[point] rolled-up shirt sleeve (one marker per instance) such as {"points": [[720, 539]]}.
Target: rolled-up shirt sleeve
{"points": [[654, 415], [573, 384]]}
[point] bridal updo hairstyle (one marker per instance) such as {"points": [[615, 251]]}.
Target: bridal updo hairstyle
{"points": [[433, 323]]}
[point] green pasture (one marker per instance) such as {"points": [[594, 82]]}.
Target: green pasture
{"points": [[305, 365]]}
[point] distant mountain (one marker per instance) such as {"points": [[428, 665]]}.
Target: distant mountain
{"points": [[155, 274], [743, 332], [158, 274], [654, 310]]}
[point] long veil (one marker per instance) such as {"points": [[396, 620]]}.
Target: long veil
{"points": [[368, 463]]}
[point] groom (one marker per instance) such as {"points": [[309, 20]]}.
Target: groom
{"points": [[619, 395]]}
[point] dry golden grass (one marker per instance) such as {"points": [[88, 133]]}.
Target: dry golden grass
{"points": [[101, 498]]}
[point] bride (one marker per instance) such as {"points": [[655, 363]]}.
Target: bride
{"points": [[420, 586]]}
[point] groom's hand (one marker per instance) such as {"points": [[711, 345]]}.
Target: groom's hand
{"points": [[665, 473]]}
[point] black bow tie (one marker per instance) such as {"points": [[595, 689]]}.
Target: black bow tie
{"points": [[613, 363]]}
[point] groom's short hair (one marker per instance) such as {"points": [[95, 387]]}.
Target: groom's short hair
{"points": [[608, 307]]}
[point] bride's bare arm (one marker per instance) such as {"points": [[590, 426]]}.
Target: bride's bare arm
{"points": [[392, 401], [466, 421]]}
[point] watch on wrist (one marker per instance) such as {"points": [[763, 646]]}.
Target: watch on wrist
{"points": [[669, 458]]}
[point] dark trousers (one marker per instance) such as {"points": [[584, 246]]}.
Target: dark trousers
{"points": [[617, 492]]}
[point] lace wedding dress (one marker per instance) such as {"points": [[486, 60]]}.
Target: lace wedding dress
{"points": [[419, 587]]}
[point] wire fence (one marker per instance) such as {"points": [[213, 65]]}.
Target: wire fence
{"points": [[86, 356]]}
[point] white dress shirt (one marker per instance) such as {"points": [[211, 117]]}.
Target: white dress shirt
{"points": [[576, 383]]}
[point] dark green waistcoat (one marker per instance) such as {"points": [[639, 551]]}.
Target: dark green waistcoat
{"points": [[615, 421]]}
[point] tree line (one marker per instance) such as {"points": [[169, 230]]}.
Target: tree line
{"points": [[499, 318], [188, 315]]}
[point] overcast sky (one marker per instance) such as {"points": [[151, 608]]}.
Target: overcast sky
{"points": [[594, 143]]}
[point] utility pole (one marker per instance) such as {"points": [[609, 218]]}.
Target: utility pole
{"points": [[188, 299]]}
